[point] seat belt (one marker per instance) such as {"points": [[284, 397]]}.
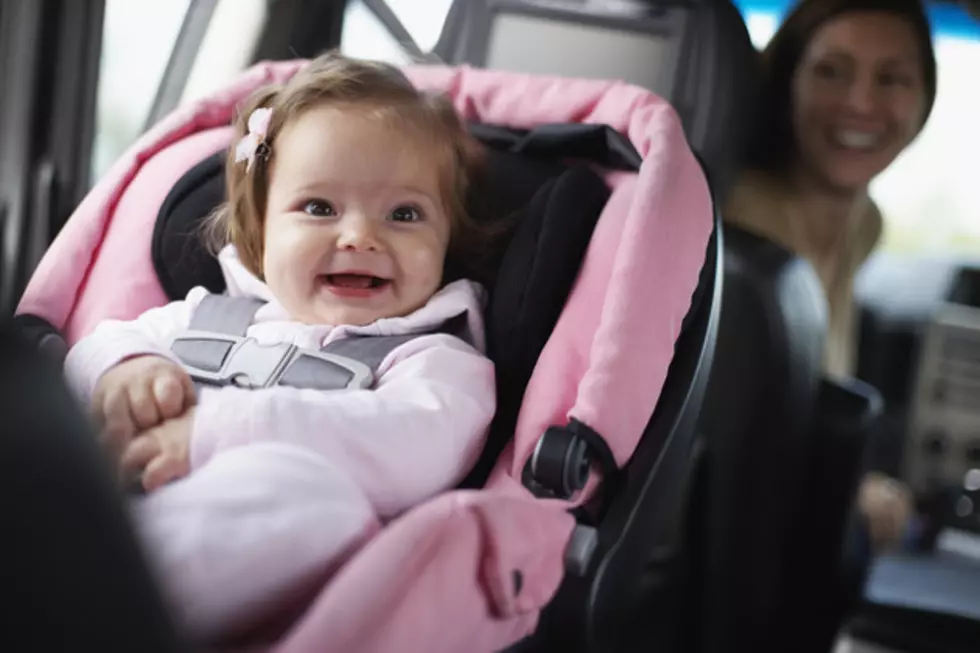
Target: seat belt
{"points": [[216, 352]]}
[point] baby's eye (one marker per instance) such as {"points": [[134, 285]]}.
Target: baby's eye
{"points": [[319, 208], [405, 214]]}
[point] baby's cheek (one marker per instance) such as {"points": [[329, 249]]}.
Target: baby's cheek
{"points": [[428, 269], [272, 267], [282, 274]]}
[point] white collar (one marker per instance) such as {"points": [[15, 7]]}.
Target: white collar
{"points": [[450, 301]]}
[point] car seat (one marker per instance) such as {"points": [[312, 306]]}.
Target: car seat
{"points": [[784, 448], [761, 397], [614, 314], [697, 54]]}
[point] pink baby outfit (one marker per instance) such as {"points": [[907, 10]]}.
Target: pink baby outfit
{"points": [[287, 482]]}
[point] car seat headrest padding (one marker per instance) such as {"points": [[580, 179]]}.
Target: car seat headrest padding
{"points": [[518, 163], [179, 255]]}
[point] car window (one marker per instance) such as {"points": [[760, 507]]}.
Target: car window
{"points": [[137, 40], [364, 36]]}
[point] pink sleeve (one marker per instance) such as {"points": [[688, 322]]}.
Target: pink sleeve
{"points": [[113, 341], [415, 435]]}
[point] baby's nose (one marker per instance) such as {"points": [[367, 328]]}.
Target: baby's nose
{"points": [[357, 233]]}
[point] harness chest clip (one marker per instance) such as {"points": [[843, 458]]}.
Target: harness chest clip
{"points": [[223, 360]]}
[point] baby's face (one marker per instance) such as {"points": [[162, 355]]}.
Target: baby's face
{"points": [[355, 227]]}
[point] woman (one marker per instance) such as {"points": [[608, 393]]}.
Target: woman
{"points": [[847, 85]]}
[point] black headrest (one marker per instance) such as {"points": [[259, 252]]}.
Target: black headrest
{"points": [[518, 163]]}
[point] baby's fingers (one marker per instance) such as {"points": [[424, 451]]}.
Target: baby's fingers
{"points": [[142, 404], [162, 470], [172, 393], [137, 456], [116, 420]]}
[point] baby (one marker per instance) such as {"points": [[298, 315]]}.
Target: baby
{"points": [[345, 196]]}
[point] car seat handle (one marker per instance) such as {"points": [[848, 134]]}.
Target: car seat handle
{"points": [[559, 466]]}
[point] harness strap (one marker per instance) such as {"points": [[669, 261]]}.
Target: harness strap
{"points": [[372, 350], [217, 314], [215, 351], [224, 314]]}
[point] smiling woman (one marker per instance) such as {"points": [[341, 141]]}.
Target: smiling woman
{"points": [[847, 85], [862, 93]]}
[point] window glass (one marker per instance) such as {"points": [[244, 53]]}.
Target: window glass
{"points": [[230, 41], [137, 41], [366, 37], [423, 20], [928, 196], [137, 38]]}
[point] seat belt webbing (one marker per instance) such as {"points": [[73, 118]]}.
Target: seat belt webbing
{"points": [[223, 314]]}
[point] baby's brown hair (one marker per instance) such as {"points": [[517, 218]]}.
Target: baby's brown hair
{"points": [[376, 89]]}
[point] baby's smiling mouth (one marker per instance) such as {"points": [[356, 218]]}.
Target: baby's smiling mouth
{"points": [[354, 281]]}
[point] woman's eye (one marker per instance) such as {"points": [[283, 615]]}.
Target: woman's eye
{"points": [[319, 208], [890, 79], [405, 214], [827, 70]]}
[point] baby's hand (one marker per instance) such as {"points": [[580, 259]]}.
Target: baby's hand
{"points": [[161, 454], [137, 395]]}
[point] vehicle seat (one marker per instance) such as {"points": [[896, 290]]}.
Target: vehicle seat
{"points": [[759, 404], [697, 54], [784, 448]]}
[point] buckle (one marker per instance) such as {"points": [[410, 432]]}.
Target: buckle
{"points": [[299, 373], [218, 359]]}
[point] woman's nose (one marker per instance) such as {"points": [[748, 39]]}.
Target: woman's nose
{"points": [[862, 96]]}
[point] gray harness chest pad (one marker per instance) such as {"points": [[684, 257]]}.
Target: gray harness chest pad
{"points": [[215, 351]]}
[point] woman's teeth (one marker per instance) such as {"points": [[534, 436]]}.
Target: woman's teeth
{"points": [[857, 140]]}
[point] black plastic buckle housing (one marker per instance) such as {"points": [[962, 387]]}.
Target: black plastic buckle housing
{"points": [[559, 466]]}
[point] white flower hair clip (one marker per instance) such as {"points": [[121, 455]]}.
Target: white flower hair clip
{"points": [[253, 144]]}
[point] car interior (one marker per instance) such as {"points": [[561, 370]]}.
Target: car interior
{"points": [[736, 529]]}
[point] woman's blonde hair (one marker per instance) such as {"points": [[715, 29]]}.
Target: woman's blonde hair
{"points": [[378, 89]]}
